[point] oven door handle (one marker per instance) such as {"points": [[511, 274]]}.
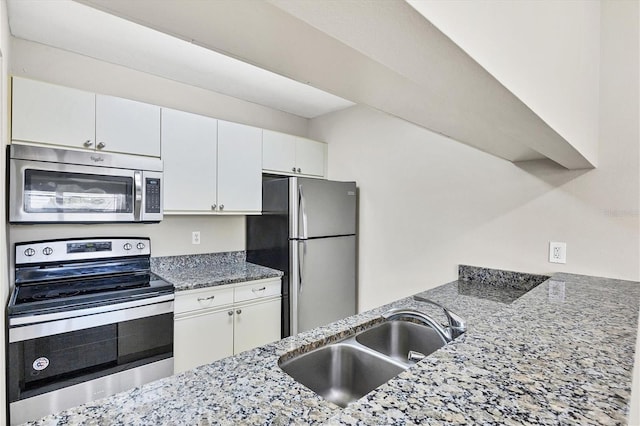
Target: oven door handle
{"points": [[34, 326], [137, 195]]}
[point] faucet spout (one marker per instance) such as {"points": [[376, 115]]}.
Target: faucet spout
{"points": [[400, 313], [457, 325]]}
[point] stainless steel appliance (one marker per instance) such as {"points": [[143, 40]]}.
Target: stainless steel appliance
{"points": [[48, 185], [308, 230], [86, 319]]}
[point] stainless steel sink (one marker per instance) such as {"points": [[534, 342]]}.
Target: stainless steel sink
{"points": [[397, 338], [347, 370], [342, 372]]}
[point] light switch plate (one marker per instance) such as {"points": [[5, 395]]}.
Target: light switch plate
{"points": [[557, 252]]}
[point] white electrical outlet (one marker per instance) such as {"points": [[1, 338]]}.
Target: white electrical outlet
{"points": [[557, 252], [195, 237]]}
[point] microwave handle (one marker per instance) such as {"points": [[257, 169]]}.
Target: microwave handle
{"points": [[137, 194]]}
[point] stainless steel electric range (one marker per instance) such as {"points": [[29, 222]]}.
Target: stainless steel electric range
{"points": [[87, 319]]}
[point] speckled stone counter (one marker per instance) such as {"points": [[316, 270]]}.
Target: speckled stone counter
{"points": [[562, 353], [207, 270]]}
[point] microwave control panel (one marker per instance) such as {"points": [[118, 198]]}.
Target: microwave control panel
{"points": [[152, 190]]}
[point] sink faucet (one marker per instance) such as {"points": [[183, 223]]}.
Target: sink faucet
{"points": [[400, 313], [456, 324]]}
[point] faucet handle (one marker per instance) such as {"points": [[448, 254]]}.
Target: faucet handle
{"points": [[458, 325]]}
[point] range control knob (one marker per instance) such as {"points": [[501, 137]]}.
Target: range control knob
{"points": [[29, 252], [47, 251], [127, 246], [140, 246]]}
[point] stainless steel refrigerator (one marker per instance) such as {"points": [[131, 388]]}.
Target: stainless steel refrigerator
{"points": [[308, 230]]}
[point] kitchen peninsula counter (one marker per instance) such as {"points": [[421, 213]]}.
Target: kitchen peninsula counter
{"points": [[561, 353], [190, 272]]}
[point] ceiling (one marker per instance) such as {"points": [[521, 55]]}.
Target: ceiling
{"points": [[307, 58], [76, 27]]}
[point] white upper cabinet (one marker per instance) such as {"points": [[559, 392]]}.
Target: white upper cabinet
{"points": [[56, 115], [127, 126], [239, 167], [189, 144], [210, 166], [310, 157], [46, 113], [292, 155], [279, 151]]}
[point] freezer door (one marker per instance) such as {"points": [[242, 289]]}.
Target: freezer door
{"points": [[325, 286], [321, 208]]}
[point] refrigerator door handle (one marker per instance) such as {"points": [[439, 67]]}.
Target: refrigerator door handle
{"points": [[301, 245], [294, 280], [303, 214]]}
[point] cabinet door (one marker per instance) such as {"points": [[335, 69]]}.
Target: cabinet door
{"points": [[256, 325], [202, 339], [47, 113], [189, 155], [127, 126], [310, 157], [239, 167], [278, 152]]}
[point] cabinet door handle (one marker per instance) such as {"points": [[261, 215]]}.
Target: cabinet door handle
{"points": [[255, 290], [101, 145], [202, 299], [213, 206], [293, 169], [299, 171], [239, 311], [230, 313], [87, 143], [221, 206]]}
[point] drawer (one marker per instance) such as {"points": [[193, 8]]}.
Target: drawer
{"points": [[205, 298], [257, 290]]}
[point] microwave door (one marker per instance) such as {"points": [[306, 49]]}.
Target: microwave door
{"points": [[43, 192]]}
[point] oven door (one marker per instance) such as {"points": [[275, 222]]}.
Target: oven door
{"points": [[48, 356], [58, 192]]}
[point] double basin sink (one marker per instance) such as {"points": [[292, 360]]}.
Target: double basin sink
{"points": [[347, 370]]}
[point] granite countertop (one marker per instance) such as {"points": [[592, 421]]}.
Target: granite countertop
{"points": [[208, 270], [561, 353]]}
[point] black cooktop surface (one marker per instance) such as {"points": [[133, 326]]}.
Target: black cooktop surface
{"points": [[81, 294]]}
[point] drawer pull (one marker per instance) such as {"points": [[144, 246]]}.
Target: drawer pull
{"points": [[255, 290], [202, 299]]}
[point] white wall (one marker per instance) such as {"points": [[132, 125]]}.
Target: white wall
{"points": [[542, 51], [427, 205], [170, 237]]}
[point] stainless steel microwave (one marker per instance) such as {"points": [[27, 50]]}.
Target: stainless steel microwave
{"points": [[48, 185]]}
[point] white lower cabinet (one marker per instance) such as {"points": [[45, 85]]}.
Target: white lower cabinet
{"points": [[252, 327], [201, 338], [213, 323]]}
